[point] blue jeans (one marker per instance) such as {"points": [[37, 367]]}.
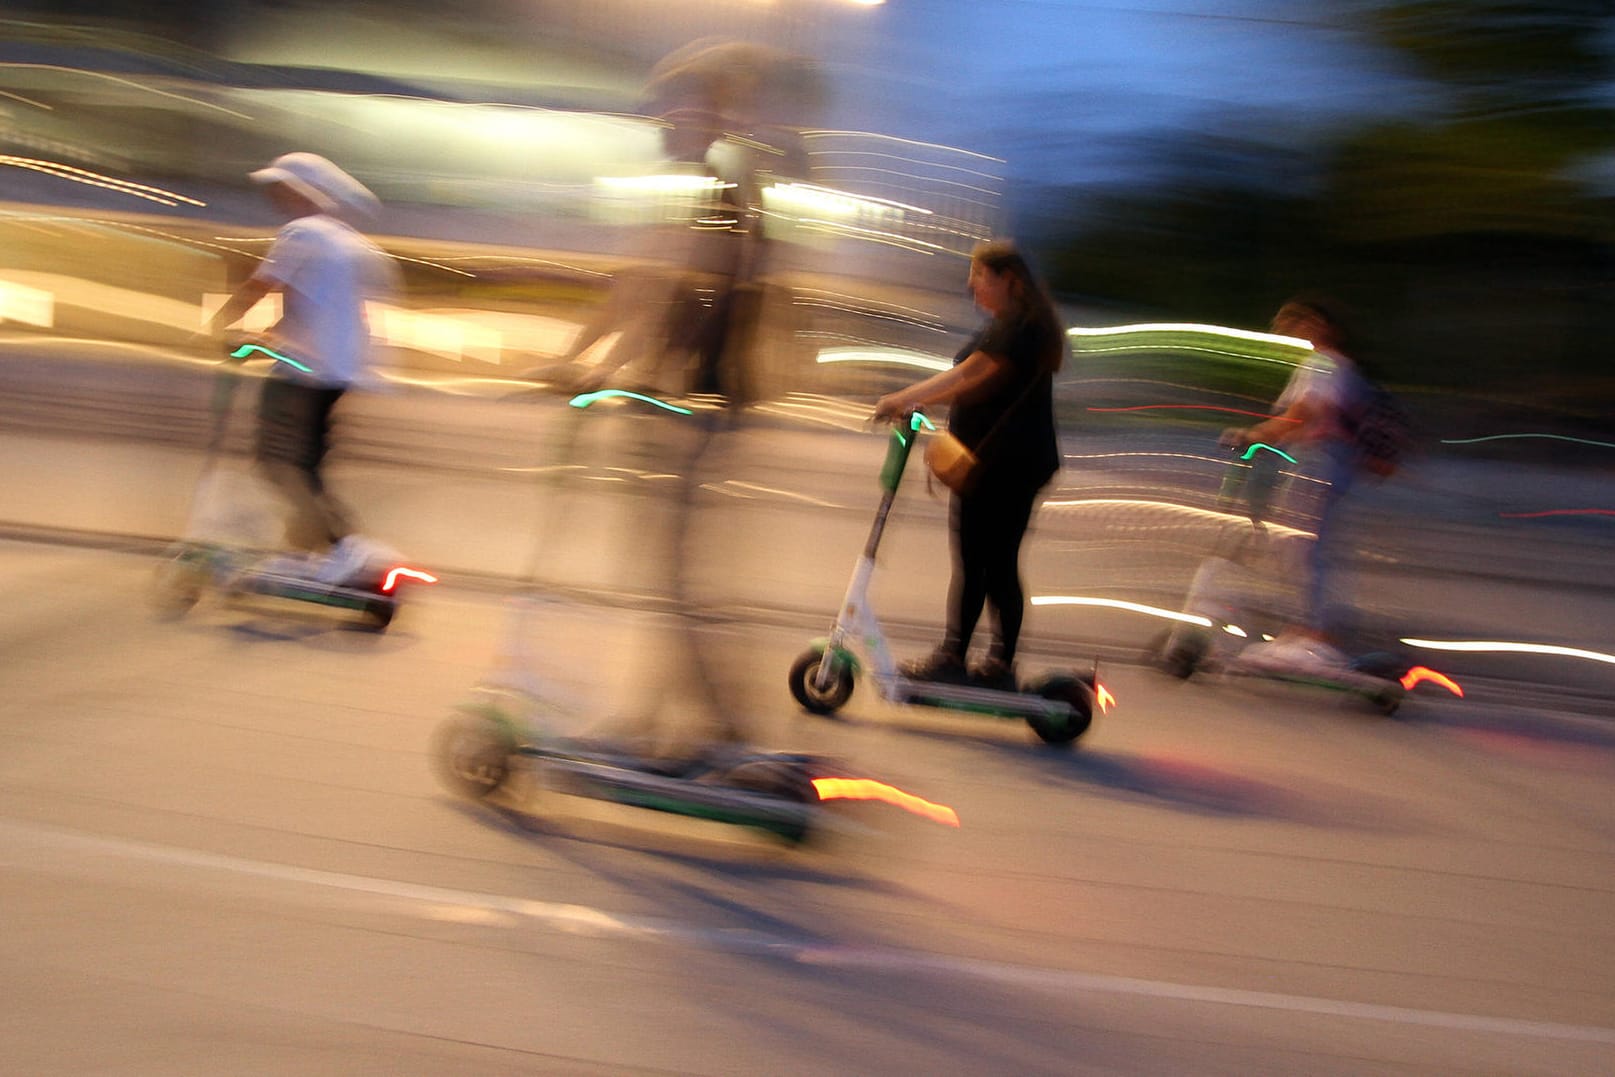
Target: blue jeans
{"points": [[1324, 560]]}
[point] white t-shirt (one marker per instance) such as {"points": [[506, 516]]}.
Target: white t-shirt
{"points": [[1328, 382], [326, 271]]}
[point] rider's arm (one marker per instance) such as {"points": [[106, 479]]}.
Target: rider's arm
{"points": [[1295, 422], [962, 379], [245, 297]]}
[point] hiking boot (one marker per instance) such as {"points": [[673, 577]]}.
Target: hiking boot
{"points": [[995, 673], [942, 666]]}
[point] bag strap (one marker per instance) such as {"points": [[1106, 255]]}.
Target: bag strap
{"points": [[997, 426], [980, 449]]}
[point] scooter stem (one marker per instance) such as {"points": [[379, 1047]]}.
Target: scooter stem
{"points": [[898, 447]]}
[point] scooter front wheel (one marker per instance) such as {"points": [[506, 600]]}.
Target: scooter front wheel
{"points": [[1063, 730], [179, 581], [1181, 652], [473, 755], [805, 683]]}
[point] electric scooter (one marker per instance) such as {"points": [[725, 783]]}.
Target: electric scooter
{"points": [[512, 745], [363, 578], [373, 591], [506, 745], [1233, 601], [1058, 708]]}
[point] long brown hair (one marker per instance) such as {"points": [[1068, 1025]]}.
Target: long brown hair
{"points": [[1002, 256]]}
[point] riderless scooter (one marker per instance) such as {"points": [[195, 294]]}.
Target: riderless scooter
{"points": [[514, 741], [1059, 708]]}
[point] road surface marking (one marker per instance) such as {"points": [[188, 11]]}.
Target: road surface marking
{"points": [[501, 910]]}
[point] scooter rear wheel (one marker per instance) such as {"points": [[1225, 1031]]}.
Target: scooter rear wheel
{"points": [[787, 779], [804, 683], [379, 613], [1068, 690], [1388, 699]]}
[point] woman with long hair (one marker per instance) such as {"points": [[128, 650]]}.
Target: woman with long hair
{"points": [[1001, 391]]}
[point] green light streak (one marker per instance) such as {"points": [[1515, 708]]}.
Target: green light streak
{"points": [[1216, 340], [247, 349], [1550, 437], [1250, 452], [918, 419], [583, 400]]}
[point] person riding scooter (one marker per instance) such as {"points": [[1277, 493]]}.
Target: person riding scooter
{"points": [[1002, 396]]}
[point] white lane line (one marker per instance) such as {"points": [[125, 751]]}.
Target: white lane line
{"points": [[583, 919]]}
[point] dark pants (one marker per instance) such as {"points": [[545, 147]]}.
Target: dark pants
{"points": [[294, 423], [988, 526]]}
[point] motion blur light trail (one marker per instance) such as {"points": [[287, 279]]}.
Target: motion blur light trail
{"points": [[894, 356], [1118, 604], [1555, 512], [395, 574], [1193, 337], [585, 399], [96, 179], [1501, 647], [869, 789], [1419, 674], [131, 83], [1194, 407], [1255, 445], [247, 349], [1187, 514], [1549, 437]]}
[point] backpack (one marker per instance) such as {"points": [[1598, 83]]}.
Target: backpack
{"points": [[1381, 428]]}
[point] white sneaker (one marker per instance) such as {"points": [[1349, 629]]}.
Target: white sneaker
{"points": [[1273, 656], [351, 558], [1295, 654], [1320, 657]]}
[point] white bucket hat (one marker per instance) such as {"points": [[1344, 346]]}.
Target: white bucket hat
{"points": [[322, 183]]}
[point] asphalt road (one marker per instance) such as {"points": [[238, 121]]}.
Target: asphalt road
{"points": [[224, 849]]}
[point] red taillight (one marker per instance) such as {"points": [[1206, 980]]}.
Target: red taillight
{"points": [[390, 582]]}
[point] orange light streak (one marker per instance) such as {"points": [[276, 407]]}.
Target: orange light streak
{"points": [[1104, 698], [869, 789], [1424, 673]]}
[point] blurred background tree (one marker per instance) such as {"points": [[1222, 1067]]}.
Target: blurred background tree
{"points": [[1473, 232]]}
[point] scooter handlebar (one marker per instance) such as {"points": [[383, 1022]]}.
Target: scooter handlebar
{"points": [[914, 420]]}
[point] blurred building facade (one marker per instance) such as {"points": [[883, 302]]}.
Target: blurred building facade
{"points": [[508, 141]]}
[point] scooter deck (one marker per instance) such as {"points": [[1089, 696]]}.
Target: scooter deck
{"points": [[976, 699], [635, 782], [303, 589], [1384, 693]]}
